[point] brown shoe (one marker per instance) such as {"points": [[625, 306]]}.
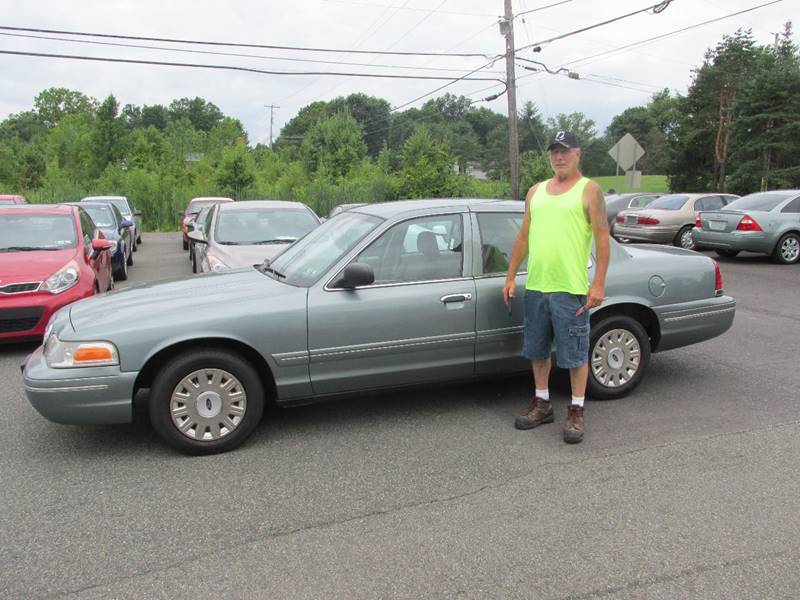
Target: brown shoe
{"points": [[573, 428], [539, 412]]}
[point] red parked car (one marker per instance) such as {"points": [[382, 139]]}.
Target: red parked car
{"points": [[11, 199], [194, 207], [50, 256]]}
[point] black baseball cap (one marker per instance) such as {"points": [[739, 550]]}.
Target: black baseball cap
{"points": [[565, 139]]}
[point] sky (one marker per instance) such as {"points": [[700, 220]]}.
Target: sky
{"points": [[607, 84]]}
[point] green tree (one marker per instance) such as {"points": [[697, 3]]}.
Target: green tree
{"points": [[532, 130], [235, 174], [108, 139], [372, 115], [427, 168], [203, 115], [334, 144], [54, 103]]}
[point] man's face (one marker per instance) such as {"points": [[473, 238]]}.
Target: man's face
{"points": [[564, 161]]}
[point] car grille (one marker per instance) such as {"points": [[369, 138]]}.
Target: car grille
{"points": [[20, 288], [20, 319]]}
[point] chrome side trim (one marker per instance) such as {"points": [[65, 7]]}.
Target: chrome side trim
{"points": [[396, 284], [80, 388], [705, 313], [389, 347], [291, 359]]}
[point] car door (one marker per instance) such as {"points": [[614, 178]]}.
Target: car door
{"points": [[414, 324], [201, 250], [124, 232], [99, 262], [498, 346]]}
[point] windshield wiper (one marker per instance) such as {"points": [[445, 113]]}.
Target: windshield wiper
{"points": [[26, 248], [265, 268], [275, 241]]}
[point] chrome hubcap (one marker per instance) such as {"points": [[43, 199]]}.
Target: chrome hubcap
{"points": [[687, 241], [790, 249], [616, 358], [208, 404]]}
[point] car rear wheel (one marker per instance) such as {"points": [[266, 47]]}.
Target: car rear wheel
{"points": [[619, 353], [121, 274], [194, 261], [185, 245], [787, 250], [129, 262], [727, 253], [206, 401], [685, 239]]}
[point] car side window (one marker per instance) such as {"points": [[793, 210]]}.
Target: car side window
{"points": [[424, 249], [792, 207], [713, 203], [498, 231], [639, 201], [117, 214], [87, 227], [207, 224]]}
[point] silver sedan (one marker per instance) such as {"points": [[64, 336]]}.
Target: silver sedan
{"points": [[765, 222], [383, 295]]}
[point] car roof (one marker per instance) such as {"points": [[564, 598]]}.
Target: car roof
{"points": [[11, 197], [214, 198], [249, 204], [44, 209], [786, 193], [102, 198], [400, 207]]}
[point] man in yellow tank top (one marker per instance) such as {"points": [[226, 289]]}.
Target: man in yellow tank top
{"points": [[562, 215]]}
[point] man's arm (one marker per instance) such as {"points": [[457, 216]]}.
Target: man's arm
{"points": [[519, 250], [595, 207]]}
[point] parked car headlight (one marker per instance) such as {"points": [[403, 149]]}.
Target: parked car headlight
{"points": [[67, 355], [63, 279], [216, 264]]}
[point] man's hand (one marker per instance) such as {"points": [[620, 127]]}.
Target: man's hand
{"points": [[508, 291], [593, 299]]}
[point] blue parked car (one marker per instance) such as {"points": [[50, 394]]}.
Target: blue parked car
{"points": [[116, 228]]}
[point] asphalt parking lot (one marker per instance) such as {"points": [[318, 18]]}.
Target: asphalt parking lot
{"points": [[686, 489]]}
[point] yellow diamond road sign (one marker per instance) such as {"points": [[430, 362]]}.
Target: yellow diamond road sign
{"points": [[626, 151]]}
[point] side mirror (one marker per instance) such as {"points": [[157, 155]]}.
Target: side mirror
{"points": [[191, 226], [197, 236], [125, 224], [137, 213], [99, 245], [355, 275]]}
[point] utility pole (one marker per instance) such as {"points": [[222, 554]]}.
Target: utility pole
{"points": [[271, 108], [507, 27]]}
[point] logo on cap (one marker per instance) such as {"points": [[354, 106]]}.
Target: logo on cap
{"points": [[560, 136]]}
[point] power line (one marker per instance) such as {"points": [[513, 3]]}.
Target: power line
{"points": [[245, 69], [533, 10], [445, 12], [233, 44], [656, 8], [234, 54]]}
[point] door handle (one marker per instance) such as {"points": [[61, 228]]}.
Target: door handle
{"points": [[456, 297]]}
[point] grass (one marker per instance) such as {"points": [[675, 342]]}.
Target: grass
{"points": [[650, 183]]}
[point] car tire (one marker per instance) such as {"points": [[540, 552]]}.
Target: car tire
{"points": [[185, 245], [685, 239], [727, 253], [787, 250], [121, 274], [129, 261], [194, 261], [619, 351], [204, 390], [133, 244]]}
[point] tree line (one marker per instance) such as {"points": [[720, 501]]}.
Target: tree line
{"points": [[735, 130]]}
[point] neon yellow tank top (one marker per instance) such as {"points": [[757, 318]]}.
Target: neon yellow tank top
{"points": [[559, 241]]}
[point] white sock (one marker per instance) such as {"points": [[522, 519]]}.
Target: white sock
{"points": [[578, 400], [543, 394]]}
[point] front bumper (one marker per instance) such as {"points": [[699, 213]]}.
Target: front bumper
{"points": [[88, 396], [743, 241], [24, 316], [646, 233]]}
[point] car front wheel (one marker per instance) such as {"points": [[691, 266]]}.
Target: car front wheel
{"points": [[787, 250], [206, 401], [619, 350]]}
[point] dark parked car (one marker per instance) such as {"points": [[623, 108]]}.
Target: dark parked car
{"points": [[128, 211], [384, 295], [118, 230]]}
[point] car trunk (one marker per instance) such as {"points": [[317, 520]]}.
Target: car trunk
{"points": [[723, 221]]}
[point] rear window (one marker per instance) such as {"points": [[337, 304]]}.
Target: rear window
{"points": [[672, 202], [101, 215], [765, 201], [36, 232]]}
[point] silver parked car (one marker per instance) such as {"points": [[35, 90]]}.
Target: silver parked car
{"points": [[764, 222], [128, 211], [383, 295], [627, 201], [668, 219], [238, 234]]}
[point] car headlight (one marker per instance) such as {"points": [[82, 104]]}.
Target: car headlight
{"points": [[216, 264], [63, 279], [68, 355]]}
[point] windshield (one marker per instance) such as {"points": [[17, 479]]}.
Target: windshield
{"points": [[120, 202], [675, 202], [36, 232], [262, 225], [198, 205], [766, 201], [101, 215], [310, 258]]}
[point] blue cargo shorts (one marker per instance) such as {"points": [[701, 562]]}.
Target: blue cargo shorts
{"points": [[549, 317]]}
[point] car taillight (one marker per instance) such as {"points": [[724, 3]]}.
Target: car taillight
{"points": [[717, 279], [648, 221], [620, 219], [748, 223], [697, 221]]}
